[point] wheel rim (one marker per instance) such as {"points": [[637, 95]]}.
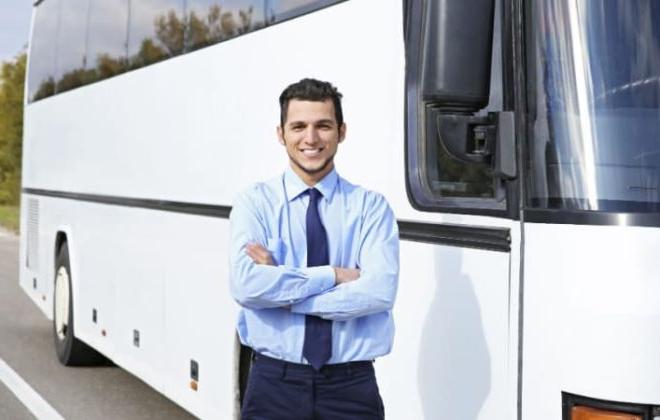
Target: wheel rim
{"points": [[61, 302]]}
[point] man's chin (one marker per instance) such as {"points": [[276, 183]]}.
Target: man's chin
{"points": [[313, 169]]}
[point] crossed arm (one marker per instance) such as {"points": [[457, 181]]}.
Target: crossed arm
{"points": [[261, 255], [337, 293]]}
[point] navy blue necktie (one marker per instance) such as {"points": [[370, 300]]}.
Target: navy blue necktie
{"points": [[317, 347]]}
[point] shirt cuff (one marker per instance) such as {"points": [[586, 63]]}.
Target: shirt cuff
{"points": [[321, 278]]}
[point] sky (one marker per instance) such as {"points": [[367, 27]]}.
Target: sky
{"points": [[15, 18]]}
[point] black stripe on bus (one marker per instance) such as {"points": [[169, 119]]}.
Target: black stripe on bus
{"points": [[171, 206], [494, 239]]}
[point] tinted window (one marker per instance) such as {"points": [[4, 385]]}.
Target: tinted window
{"points": [[102, 38], [71, 71], [595, 106], [211, 21], [108, 31], [155, 31], [41, 79]]}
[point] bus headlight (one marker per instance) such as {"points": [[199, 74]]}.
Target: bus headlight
{"points": [[579, 407], [589, 413]]}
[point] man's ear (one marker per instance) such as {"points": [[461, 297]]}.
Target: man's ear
{"points": [[342, 132], [280, 135]]}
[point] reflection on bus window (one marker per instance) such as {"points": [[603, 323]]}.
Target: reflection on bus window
{"points": [[71, 70], [41, 78], [77, 42], [212, 21], [449, 177], [597, 100], [107, 38], [155, 32]]}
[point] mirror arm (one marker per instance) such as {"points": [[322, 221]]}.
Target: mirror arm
{"points": [[467, 138], [488, 140]]}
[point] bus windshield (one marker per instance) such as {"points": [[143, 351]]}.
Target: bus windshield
{"points": [[594, 86]]}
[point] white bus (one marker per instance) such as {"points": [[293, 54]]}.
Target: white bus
{"points": [[517, 142]]}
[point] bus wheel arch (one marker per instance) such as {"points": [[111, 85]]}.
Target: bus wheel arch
{"points": [[70, 350]]}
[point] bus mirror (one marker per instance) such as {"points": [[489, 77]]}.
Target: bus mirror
{"points": [[457, 46]]}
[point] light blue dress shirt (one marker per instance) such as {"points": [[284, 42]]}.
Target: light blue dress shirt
{"points": [[362, 233]]}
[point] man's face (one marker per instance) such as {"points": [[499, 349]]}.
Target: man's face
{"points": [[311, 135]]}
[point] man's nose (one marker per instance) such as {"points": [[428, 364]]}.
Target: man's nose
{"points": [[312, 135]]}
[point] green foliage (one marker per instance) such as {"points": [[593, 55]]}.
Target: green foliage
{"points": [[12, 77], [9, 217]]}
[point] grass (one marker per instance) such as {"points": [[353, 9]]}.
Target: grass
{"points": [[9, 217]]}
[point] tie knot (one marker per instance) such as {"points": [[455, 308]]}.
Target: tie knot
{"points": [[314, 195]]}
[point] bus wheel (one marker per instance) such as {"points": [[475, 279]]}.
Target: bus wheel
{"points": [[70, 350]]}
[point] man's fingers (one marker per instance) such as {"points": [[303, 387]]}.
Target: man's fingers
{"points": [[259, 254]]}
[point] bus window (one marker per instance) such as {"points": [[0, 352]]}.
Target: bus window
{"points": [[41, 79], [594, 143], [71, 71], [449, 177], [280, 10], [106, 44], [212, 21], [155, 31]]}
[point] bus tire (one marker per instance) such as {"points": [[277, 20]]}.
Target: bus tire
{"points": [[70, 350]]}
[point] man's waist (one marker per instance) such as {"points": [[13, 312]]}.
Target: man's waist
{"points": [[331, 368]]}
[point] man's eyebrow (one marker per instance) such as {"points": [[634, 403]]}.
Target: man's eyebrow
{"points": [[326, 121], [323, 121]]}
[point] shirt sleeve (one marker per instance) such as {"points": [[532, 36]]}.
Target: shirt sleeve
{"points": [[258, 286], [378, 260]]}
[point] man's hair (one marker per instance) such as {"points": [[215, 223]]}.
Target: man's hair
{"points": [[311, 90]]}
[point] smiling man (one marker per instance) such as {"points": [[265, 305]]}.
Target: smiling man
{"points": [[314, 265]]}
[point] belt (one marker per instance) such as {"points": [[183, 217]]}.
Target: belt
{"points": [[334, 368]]}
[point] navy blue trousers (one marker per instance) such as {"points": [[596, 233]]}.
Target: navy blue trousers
{"points": [[290, 391]]}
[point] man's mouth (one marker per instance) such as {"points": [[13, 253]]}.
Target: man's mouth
{"points": [[312, 152]]}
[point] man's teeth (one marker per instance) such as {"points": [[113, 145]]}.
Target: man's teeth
{"points": [[311, 151]]}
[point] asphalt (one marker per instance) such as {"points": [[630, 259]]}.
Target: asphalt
{"points": [[11, 407]]}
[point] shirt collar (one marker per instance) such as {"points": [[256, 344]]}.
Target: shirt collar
{"points": [[295, 186]]}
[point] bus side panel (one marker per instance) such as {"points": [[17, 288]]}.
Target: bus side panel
{"points": [[163, 275], [451, 351], [592, 307], [201, 317]]}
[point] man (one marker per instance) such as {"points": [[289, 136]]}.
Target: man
{"points": [[314, 264]]}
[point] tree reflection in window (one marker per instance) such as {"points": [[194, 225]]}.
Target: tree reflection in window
{"points": [[155, 31], [41, 76], [122, 35], [209, 21]]}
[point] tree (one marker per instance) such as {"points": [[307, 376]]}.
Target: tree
{"points": [[12, 77]]}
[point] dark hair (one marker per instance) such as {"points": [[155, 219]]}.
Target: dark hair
{"points": [[311, 90]]}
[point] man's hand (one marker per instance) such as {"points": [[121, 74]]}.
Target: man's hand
{"points": [[344, 275], [259, 254]]}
